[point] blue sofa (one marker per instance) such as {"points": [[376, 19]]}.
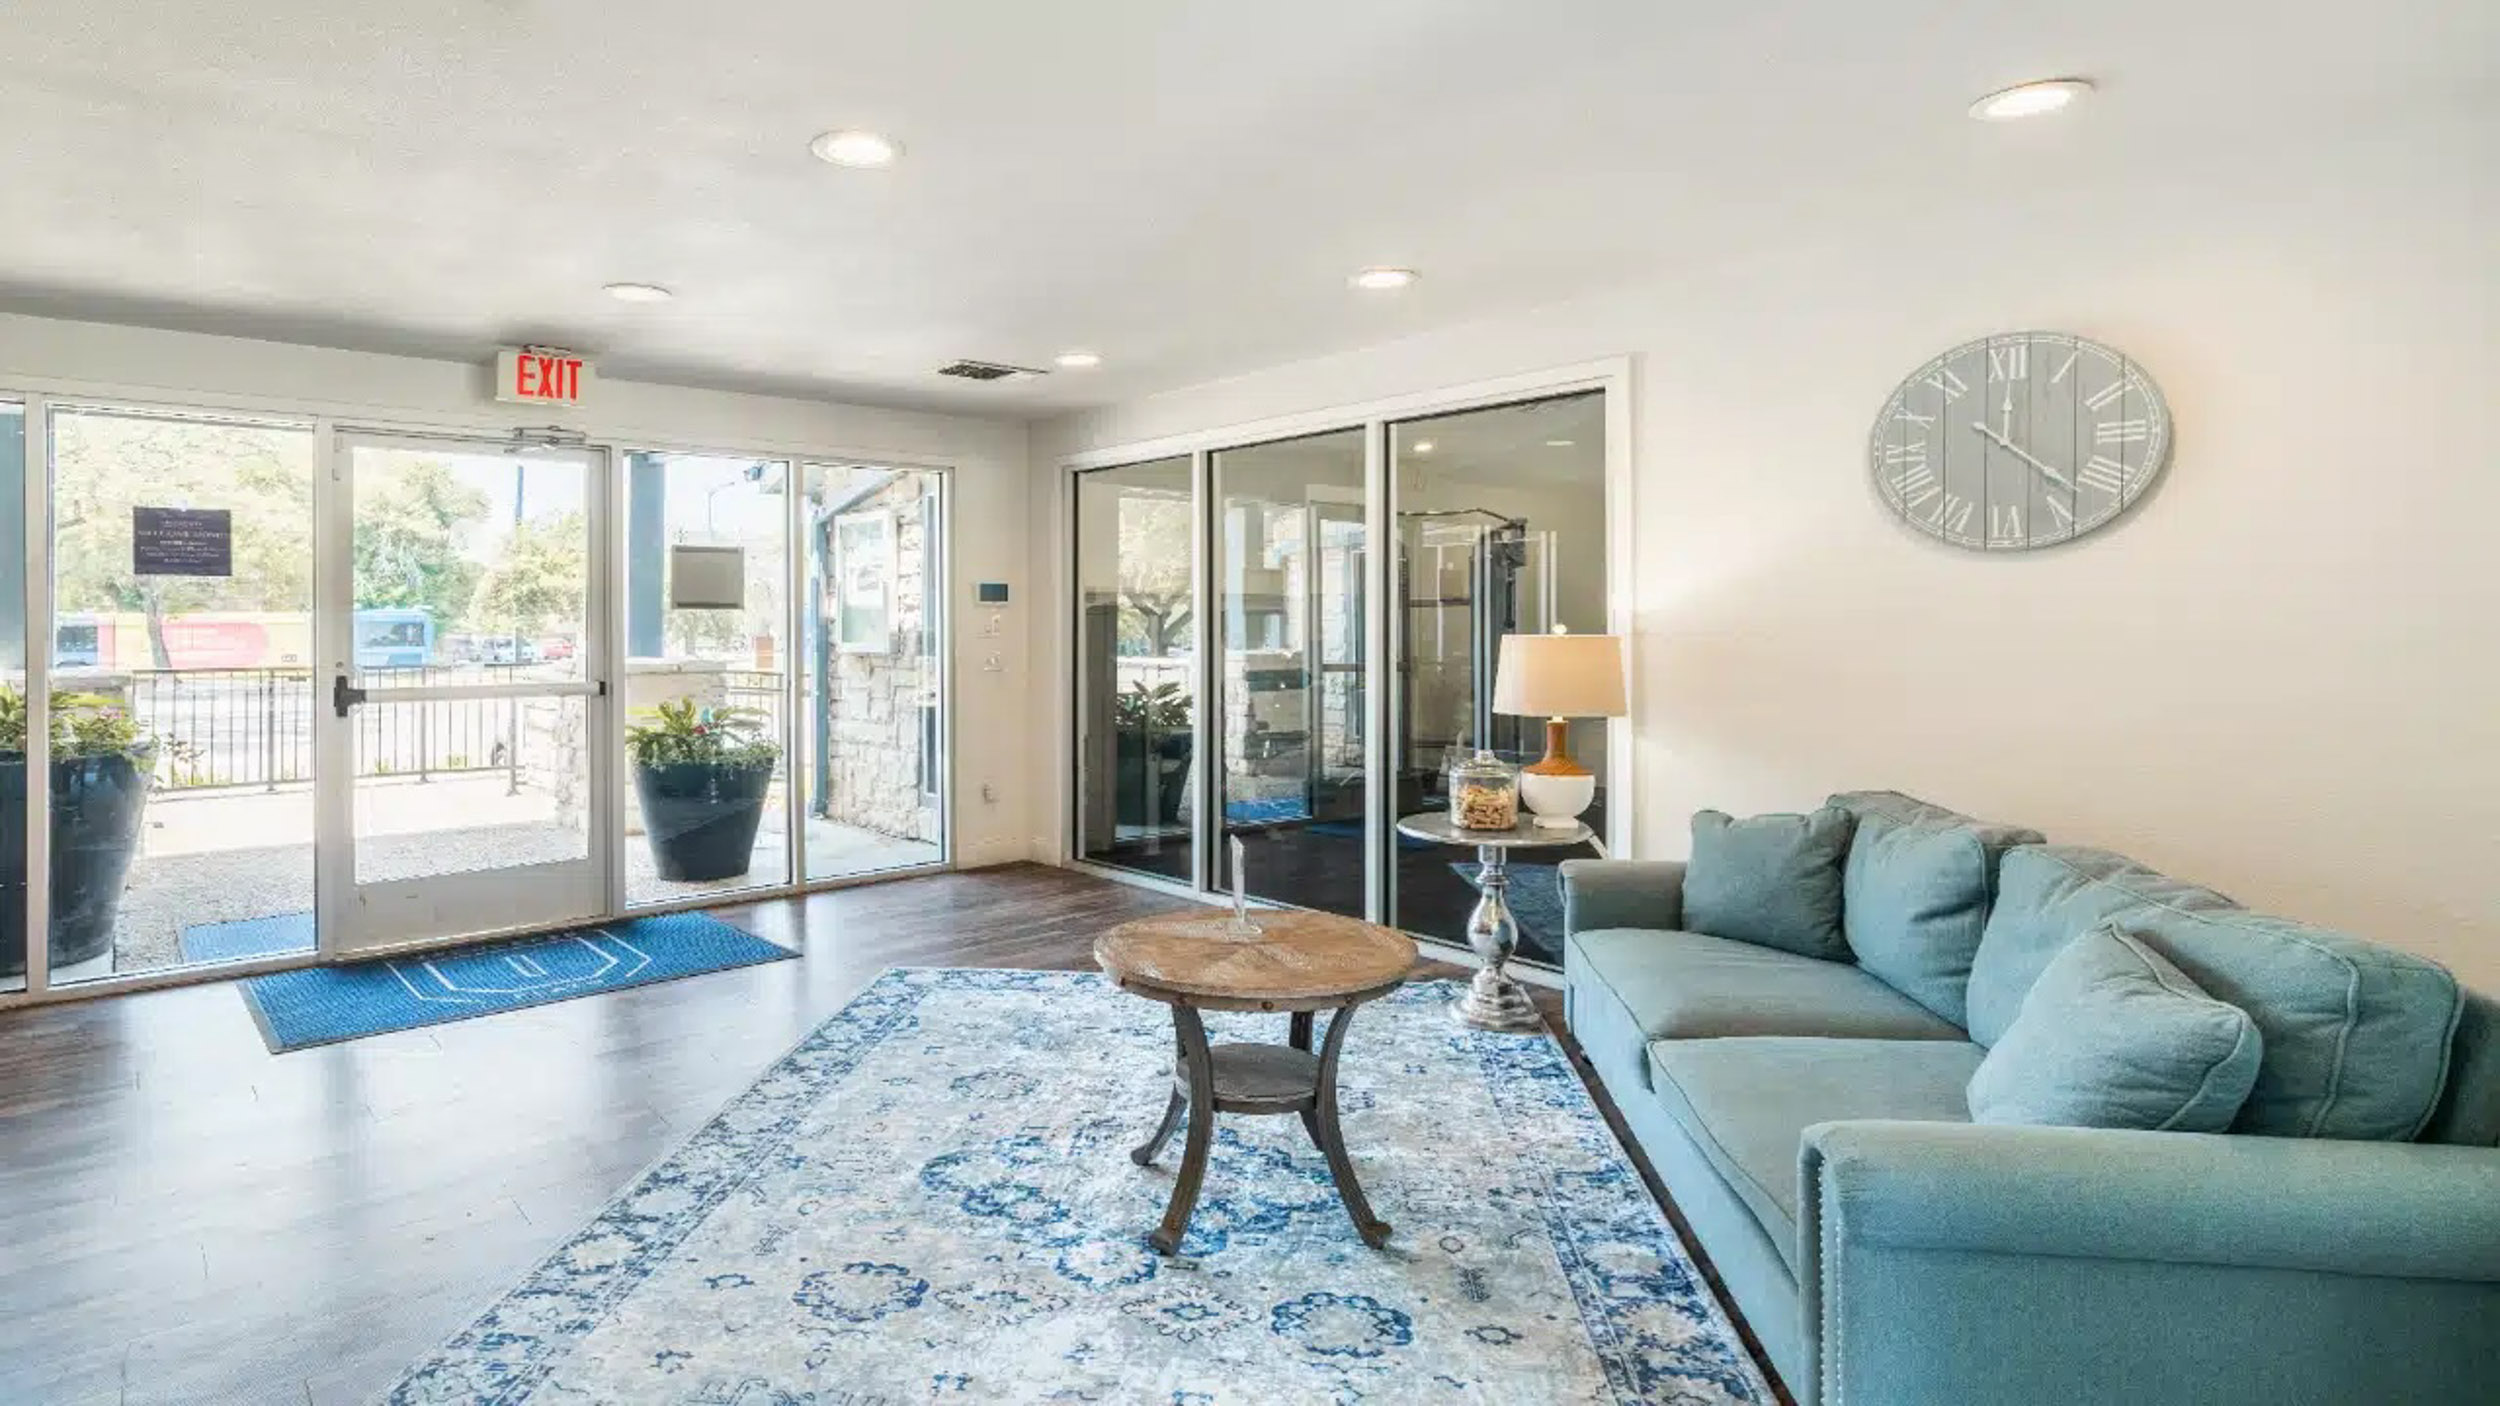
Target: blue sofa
{"points": [[2340, 1244]]}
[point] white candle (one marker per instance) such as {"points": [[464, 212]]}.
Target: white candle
{"points": [[1241, 890]]}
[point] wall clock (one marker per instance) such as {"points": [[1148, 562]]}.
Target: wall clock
{"points": [[2021, 440]]}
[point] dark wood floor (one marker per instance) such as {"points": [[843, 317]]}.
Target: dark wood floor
{"points": [[186, 1218]]}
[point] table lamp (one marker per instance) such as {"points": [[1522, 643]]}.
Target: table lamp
{"points": [[1558, 677]]}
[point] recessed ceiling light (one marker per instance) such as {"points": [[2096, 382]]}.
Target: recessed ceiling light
{"points": [[1423, 446], [850, 147], [2030, 99], [1381, 279], [639, 293], [1079, 360], [1560, 443]]}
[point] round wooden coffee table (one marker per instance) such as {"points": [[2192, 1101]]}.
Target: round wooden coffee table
{"points": [[1297, 964]]}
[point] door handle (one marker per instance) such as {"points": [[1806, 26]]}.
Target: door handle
{"points": [[344, 696]]}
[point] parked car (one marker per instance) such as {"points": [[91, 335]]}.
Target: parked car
{"points": [[555, 647]]}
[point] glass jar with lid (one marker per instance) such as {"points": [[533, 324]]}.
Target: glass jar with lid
{"points": [[1484, 792]]}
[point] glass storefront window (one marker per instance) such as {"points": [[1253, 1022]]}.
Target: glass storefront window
{"points": [[707, 654], [182, 691], [873, 691]]}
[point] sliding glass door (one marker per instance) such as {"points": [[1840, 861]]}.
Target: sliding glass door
{"points": [[1311, 681], [1289, 565], [1136, 662], [13, 735], [1501, 529]]}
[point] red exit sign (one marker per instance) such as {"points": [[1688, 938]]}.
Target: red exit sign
{"points": [[540, 376]]}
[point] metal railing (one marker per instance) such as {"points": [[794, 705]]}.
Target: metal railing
{"points": [[227, 728], [233, 728], [759, 690]]}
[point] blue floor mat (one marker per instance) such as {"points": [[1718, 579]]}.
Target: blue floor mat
{"points": [[1271, 812], [323, 1005], [249, 937]]}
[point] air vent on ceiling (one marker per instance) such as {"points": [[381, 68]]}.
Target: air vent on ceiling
{"points": [[987, 370]]}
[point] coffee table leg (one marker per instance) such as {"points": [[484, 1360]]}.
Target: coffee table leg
{"points": [[1200, 1064], [1331, 1137], [1298, 1036], [1144, 1153]]}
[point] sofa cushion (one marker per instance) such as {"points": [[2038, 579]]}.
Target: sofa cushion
{"points": [[2047, 896], [1692, 986], [1747, 1100], [1916, 891], [2357, 1036], [1770, 879], [2469, 1107], [1911, 810], [2114, 1036]]}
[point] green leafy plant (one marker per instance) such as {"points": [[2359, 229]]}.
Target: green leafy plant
{"points": [[1163, 707], [681, 733], [83, 725]]}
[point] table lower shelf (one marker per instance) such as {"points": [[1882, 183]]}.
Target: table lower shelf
{"points": [[1256, 1078]]}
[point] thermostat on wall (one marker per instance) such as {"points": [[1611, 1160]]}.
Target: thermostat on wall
{"points": [[990, 592]]}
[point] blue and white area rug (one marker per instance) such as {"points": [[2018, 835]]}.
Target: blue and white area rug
{"points": [[931, 1199], [324, 1005]]}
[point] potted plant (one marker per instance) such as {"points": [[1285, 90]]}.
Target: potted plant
{"points": [[1151, 723], [702, 774], [101, 768]]}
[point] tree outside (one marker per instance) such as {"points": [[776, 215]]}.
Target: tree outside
{"points": [[1156, 615], [410, 528], [536, 584], [105, 464]]}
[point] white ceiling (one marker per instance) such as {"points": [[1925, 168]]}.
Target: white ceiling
{"points": [[1182, 185]]}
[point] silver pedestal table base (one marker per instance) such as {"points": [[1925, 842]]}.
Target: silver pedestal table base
{"points": [[1494, 1000]]}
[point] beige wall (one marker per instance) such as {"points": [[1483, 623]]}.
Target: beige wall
{"points": [[2279, 677]]}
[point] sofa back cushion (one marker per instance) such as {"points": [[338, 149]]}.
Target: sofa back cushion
{"points": [[2356, 1035], [2469, 1108], [2047, 896], [1916, 892], [2114, 1036], [1772, 880]]}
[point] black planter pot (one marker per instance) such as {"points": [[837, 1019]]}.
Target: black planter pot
{"points": [[98, 806], [701, 819], [1148, 772]]}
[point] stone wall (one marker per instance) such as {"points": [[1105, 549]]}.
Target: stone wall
{"points": [[873, 757]]}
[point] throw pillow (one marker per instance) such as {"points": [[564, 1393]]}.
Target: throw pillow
{"points": [[1914, 900], [2113, 1036], [1772, 880]]}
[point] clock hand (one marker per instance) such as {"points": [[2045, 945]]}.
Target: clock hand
{"points": [[2046, 472]]}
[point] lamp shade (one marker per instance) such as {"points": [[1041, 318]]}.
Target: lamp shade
{"points": [[1560, 676]]}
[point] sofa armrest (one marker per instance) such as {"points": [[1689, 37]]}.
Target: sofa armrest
{"points": [[1949, 1262], [2417, 1210], [1622, 893]]}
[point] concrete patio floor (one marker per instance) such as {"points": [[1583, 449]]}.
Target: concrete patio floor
{"points": [[232, 855]]}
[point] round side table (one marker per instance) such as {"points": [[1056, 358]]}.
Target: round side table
{"points": [[1494, 1000], [1298, 964]]}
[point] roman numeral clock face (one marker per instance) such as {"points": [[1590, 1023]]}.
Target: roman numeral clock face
{"points": [[2017, 441]]}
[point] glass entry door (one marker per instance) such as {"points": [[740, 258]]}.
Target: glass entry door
{"points": [[464, 692]]}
